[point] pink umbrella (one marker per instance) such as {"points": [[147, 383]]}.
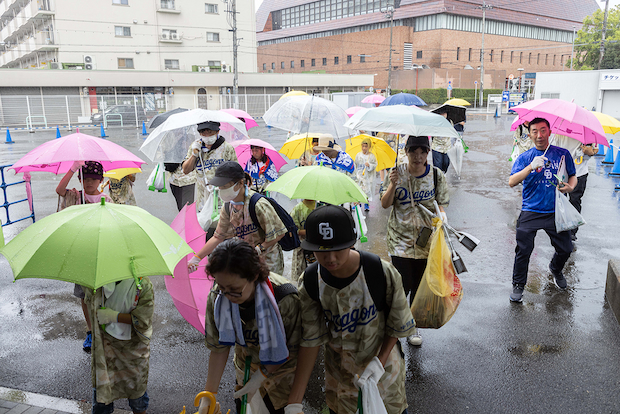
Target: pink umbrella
{"points": [[565, 118], [58, 155], [244, 152], [353, 110], [374, 98], [247, 118], [190, 291]]}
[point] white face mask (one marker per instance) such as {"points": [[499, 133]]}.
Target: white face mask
{"points": [[229, 194], [209, 140]]}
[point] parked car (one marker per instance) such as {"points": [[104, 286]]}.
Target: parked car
{"points": [[128, 112]]}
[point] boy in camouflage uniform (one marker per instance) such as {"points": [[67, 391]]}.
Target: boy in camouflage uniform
{"points": [[359, 339], [235, 219]]}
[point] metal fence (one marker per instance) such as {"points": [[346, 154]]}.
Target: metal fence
{"points": [[34, 112]]}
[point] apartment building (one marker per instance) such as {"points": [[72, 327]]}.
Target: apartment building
{"points": [[125, 35]]}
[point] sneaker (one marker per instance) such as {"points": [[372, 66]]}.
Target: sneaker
{"points": [[558, 279], [573, 237], [88, 342], [366, 207], [517, 293], [415, 339]]}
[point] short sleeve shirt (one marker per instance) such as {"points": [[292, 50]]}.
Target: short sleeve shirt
{"points": [[539, 187], [406, 219], [205, 167]]}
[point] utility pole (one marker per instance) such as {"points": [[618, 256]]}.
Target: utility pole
{"points": [[484, 8], [232, 9], [600, 58], [572, 51], [390, 15]]}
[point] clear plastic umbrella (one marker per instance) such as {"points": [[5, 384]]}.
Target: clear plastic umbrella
{"points": [[170, 141], [301, 114]]}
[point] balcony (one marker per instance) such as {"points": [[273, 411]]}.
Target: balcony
{"points": [[168, 6], [42, 41], [24, 19], [171, 38]]}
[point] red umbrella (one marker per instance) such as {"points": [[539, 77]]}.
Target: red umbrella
{"points": [[190, 291]]}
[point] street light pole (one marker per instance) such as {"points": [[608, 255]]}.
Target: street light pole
{"points": [[572, 50], [600, 58], [484, 8], [390, 14]]}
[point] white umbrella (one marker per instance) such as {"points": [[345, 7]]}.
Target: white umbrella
{"points": [[302, 114], [401, 119], [170, 141]]}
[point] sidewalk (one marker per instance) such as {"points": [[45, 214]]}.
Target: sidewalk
{"points": [[21, 402]]}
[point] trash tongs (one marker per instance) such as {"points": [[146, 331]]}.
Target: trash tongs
{"points": [[470, 242]]}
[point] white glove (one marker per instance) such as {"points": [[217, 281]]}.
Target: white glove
{"points": [[77, 165], [374, 370], [252, 385], [538, 162], [443, 216], [205, 403], [192, 265], [293, 409], [106, 316], [196, 146]]}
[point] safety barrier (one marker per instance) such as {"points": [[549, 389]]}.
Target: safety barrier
{"points": [[29, 123], [4, 185], [106, 116]]}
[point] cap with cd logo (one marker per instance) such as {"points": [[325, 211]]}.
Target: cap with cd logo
{"points": [[329, 228]]}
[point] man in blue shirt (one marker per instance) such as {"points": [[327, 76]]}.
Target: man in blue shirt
{"points": [[536, 169]]}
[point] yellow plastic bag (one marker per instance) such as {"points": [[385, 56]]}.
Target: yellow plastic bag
{"points": [[440, 290]]}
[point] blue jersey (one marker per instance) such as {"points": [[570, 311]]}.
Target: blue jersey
{"points": [[539, 187]]}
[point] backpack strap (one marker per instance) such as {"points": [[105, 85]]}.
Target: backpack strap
{"points": [[375, 279], [280, 292], [435, 178], [253, 200], [227, 207], [311, 281]]}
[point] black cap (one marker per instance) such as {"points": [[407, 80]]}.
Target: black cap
{"points": [[213, 126], [417, 142], [329, 228], [227, 172]]}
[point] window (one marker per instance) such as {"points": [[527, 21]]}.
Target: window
{"points": [[302, 63], [210, 8], [123, 2], [511, 56], [264, 66], [124, 63], [538, 59], [273, 65], [213, 37], [122, 31], [313, 62], [553, 60], [167, 4], [362, 58], [470, 54], [501, 57], [349, 59], [458, 52], [491, 55], [335, 60], [546, 59], [324, 61], [216, 63], [418, 54], [281, 65], [529, 61], [520, 57], [292, 64], [171, 63]]}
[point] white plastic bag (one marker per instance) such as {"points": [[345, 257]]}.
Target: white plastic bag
{"points": [[209, 212], [372, 403], [514, 154], [157, 179], [455, 153], [256, 405], [566, 216]]}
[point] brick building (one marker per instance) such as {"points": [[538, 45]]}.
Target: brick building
{"points": [[353, 36]]}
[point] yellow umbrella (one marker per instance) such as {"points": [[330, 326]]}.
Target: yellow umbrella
{"points": [[457, 101], [293, 93], [386, 156], [610, 124], [121, 172], [295, 146]]}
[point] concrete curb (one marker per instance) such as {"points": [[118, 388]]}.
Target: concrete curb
{"points": [[14, 401], [612, 287]]}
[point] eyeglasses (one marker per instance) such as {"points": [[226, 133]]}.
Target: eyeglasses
{"points": [[234, 294]]}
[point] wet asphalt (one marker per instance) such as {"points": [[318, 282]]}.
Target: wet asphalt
{"points": [[558, 351]]}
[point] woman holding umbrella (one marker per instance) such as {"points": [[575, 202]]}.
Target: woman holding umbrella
{"points": [[258, 310], [365, 166], [261, 169]]}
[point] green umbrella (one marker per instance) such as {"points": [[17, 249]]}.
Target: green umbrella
{"points": [[95, 244], [318, 183]]}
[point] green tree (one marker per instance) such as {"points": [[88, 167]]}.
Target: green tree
{"points": [[588, 41]]}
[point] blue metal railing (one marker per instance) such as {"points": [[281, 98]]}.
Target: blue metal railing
{"points": [[7, 204]]}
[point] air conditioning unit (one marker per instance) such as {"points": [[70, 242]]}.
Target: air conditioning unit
{"points": [[204, 69], [164, 36], [89, 62], [224, 67], [54, 65], [174, 36]]}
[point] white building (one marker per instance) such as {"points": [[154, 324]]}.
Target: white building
{"points": [[144, 35]]}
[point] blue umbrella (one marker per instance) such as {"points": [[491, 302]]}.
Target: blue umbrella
{"points": [[404, 99]]}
